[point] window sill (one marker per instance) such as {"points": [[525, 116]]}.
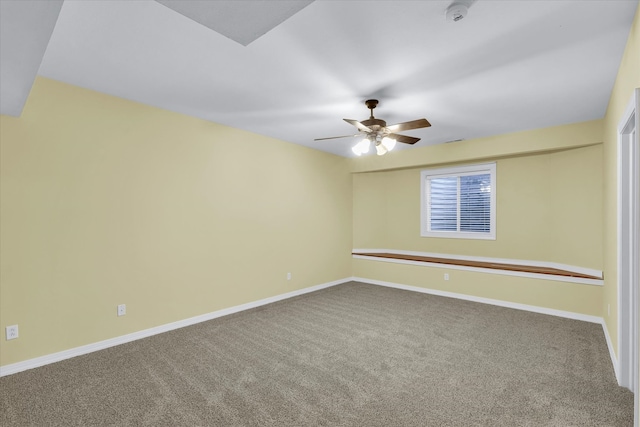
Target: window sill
{"points": [[458, 235]]}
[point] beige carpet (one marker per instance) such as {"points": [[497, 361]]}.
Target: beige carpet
{"points": [[351, 355]]}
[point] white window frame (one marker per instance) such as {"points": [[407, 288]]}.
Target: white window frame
{"points": [[456, 171]]}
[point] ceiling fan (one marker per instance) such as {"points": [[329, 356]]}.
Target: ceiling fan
{"points": [[376, 132]]}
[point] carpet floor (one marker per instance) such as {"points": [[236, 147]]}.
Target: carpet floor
{"points": [[350, 355]]}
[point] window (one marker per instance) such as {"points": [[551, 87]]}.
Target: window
{"points": [[459, 202]]}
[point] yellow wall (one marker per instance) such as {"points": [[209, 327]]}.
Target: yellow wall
{"points": [[105, 201], [627, 80], [549, 208]]}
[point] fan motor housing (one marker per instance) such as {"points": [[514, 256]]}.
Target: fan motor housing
{"points": [[373, 122]]}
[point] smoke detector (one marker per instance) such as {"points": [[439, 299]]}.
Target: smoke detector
{"points": [[457, 11]]}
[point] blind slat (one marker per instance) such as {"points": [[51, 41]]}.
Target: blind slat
{"points": [[464, 199]]}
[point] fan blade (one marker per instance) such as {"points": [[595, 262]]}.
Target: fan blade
{"points": [[414, 124], [336, 137], [404, 138], [359, 125]]}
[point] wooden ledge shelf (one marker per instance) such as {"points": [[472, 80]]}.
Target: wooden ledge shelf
{"points": [[481, 264]]}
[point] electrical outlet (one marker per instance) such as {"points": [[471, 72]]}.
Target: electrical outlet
{"points": [[446, 276], [12, 332], [122, 309], [288, 276]]}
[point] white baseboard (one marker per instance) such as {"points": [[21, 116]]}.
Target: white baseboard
{"points": [[612, 353], [89, 348], [101, 345], [508, 304]]}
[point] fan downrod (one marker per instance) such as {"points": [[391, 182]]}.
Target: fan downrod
{"points": [[371, 104]]}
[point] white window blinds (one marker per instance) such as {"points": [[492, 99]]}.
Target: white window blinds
{"points": [[459, 202], [475, 203], [443, 204]]}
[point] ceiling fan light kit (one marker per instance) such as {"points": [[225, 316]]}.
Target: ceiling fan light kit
{"points": [[361, 147], [388, 143], [383, 146], [377, 132]]}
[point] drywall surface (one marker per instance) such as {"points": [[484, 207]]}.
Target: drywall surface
{"points": [[627, 80], [106, 201], [549, 208], [563, 296]]}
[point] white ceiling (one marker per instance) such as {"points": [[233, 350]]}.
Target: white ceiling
{"points": [[242, 21], [508, 66], [25, 29]]}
